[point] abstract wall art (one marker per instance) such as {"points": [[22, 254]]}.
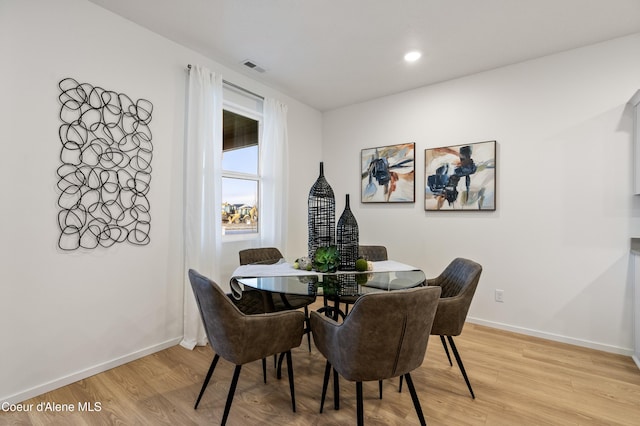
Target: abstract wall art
{"points": [[388, 174], [461, 177], [105, 172]]}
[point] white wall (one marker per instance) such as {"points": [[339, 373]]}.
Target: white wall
{"points": [[558, 244], [64, 315]]}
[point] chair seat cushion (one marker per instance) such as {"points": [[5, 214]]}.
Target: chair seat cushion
{"points": [[250, 303], [292, 301]]}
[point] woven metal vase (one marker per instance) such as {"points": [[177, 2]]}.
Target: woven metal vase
{"points": [[322, 214], [347, 236]]}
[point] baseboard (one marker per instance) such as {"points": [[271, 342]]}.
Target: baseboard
{"points": [[554, 337], [91, 371]]}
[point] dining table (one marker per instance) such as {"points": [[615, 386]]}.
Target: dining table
{"points": [[283, 278]]}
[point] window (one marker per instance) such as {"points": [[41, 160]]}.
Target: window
{"points": [[240, 170]]}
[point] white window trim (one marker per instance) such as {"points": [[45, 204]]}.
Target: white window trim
{"points": [[258, 116]]}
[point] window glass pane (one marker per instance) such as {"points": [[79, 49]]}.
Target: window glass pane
{"points": [[243, 160], [239, 143], [239, 206]]}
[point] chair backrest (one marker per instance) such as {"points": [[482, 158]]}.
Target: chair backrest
{"points": [[385, 335], [458, 281], [264, 255], [373, 253], [241, 338], [221, 318]]}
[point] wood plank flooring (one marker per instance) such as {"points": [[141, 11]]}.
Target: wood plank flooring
{"points": [[518, 380]]}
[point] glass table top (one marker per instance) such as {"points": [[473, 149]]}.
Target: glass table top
{"points": [[340, 284]]}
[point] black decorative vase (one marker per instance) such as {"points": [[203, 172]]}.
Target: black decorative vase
{"points": [[322, 215], [347, 235]]}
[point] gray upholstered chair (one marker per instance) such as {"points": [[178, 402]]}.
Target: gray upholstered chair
{"points": [[262, 255], [249, 301], [384, 336], [458, 282], [241, 338], [371, 253], [281, 301]]}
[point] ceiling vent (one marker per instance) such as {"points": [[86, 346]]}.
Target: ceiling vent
{"points": [[252, 65]]}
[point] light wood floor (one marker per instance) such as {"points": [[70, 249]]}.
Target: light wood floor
{"points": [[518, 380]]}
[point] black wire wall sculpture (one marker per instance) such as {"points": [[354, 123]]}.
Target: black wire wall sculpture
{"points": [[105, 174]]}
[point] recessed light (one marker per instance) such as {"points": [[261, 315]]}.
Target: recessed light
{"points": [[412, 56]]}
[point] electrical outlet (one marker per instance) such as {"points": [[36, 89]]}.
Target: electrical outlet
{"points": [[499, 295]]}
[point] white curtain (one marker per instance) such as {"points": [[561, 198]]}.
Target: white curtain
{"points": [[274, 160], [202, 189]]}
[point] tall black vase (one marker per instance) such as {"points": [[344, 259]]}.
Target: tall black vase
{"points": [[322, 214], [348, 239]]}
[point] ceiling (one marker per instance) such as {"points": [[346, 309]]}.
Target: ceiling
{"points": [[332, 53]]}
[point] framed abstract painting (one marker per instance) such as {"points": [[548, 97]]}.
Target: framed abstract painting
{"points": [[388, 174], [461, 177]]}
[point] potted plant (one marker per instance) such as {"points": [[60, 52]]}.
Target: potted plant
{"points": [[326, 259]]}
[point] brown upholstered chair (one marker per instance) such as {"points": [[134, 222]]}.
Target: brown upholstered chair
{"points": [[241, 338], [250, 302], [384, 336], [281, 301], [261, 255], [458, 282], [372, 253]]}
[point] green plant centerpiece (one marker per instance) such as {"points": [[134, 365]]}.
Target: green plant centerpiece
{"points": [[326, 259]]}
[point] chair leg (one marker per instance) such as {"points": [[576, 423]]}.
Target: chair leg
{"points": [[459, 360], [279, 370], [291, 388], [325, 384], [232, 391], [416, 401], [359, 404], [307, 322], [206, 379], [446, 349], [380, 387], [264, 369], [400, 385], [336, 390]]}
